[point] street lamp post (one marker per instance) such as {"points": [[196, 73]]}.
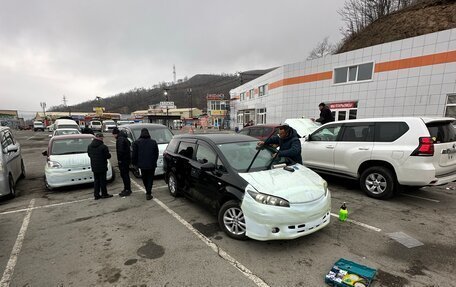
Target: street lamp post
{"points": [[43, 106], [165, 93], [189, 92]]}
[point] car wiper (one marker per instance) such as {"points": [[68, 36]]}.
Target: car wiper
{"points": [[259, 149]]}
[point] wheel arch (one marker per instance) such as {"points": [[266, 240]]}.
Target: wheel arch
{"points": [[371, 163], [231, 193]]}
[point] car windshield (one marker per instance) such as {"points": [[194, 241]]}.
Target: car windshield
{"points": [[67, 126], [109, 123], [160, 135], [66, 132], [239, 155], [70, 146], [96, 123]]}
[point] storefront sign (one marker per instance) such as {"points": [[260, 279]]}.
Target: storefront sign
{"points": [[169, 105], [218, 112], [217, 97], [343, 105]]}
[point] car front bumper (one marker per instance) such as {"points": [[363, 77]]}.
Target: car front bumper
{"points": [[289, 222]]}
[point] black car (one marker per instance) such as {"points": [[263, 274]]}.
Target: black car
{"points": [[160, 133], [253, 192]]}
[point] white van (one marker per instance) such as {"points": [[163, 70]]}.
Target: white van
{"points": [[65, 124], [109, 125], [96, 126], [38, 126]]}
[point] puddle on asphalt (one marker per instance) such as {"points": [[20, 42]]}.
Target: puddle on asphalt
{"points": [[151, 250], [208, 230], [130, 261]]}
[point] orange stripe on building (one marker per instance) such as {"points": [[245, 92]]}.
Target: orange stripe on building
{"points": [[302, 79], [434, 59]]}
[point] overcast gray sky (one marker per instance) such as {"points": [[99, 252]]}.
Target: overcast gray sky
{"points": [[83, 49]]}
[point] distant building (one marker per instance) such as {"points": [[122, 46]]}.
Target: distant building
{"points": [[217, 110], [409, 77], [157, 115], [10, 118]]}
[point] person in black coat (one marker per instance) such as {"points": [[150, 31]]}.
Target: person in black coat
{"points": [[123, 159], [99, 155], [289, 143], [145, 156], [325, 114]]}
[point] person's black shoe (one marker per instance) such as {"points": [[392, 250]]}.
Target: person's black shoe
{"points": [[97, 197], [125, 193], [106, 196], [149, 196]]}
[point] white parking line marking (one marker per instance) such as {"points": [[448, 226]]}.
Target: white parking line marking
{"points": [[423, 198], [44, 206], [236, 264], [359, 223], [9, 270], [30, 138]]}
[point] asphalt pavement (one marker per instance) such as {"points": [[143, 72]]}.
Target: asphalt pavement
{"points": [[65, 238]]}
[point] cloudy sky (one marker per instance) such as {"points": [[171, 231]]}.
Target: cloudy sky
{"points": [[83, 49]]}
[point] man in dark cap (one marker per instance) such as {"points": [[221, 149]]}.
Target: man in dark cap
{"points": [[289, 143], [123, 159], [145, 156], [99, 155], [325, 114]]}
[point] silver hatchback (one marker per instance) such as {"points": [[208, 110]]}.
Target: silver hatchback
{"points": [[11, 163]]}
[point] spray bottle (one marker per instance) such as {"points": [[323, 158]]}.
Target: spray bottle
{"points": [[343, 212]]}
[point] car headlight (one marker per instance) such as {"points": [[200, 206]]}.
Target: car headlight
{"points": [[53, 164], [267, 199]]}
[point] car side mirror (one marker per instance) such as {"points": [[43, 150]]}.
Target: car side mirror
{"points": [[12, 148], [307, 138], [45, 153], [209, 166]]}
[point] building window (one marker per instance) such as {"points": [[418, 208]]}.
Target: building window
{"points": [[251, 93], [357, 73], [450, 110], [261, 116], [242, 96], [240, 118], [262, 90]]}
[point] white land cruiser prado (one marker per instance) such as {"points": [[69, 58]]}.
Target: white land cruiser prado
{"points": [[385, 154]]}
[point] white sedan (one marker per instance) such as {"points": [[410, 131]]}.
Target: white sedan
{"points": [[63, 132], [68, 162]]}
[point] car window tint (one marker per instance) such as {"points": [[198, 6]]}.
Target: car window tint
{"points": [[160, 135], [70, 146], [205, 154], [186, 149], [4, 142], [7, 139], [442, 132], [389, 131], [172, 145], [328, 133], [256, 132], [244, 131], [357, 133], [267, 131]]}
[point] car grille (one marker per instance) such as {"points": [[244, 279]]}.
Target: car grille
{"points": [[299, 228]]}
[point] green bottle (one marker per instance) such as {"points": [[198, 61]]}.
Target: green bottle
{"points": [[343, 212]]}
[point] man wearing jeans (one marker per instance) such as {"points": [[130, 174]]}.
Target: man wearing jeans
{"points": [[99, 155]]}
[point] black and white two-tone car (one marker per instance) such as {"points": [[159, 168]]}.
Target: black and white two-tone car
{"points": [[255, 194]]}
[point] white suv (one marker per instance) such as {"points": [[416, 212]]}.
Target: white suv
{"points": [[385, 154]]}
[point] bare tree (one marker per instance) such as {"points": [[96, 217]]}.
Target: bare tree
{"points": [[322, 49]]}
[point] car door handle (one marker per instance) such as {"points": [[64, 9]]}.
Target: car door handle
{"points": [[330, 146], [363, 148]]}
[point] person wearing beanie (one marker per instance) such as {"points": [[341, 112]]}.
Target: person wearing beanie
{"points": [[123, 159], [145, 156], [99, 155]]}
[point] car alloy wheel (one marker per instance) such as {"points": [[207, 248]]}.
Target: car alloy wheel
{"points": [[378, 182], [172, 185], [12, 187], [232, 221]]}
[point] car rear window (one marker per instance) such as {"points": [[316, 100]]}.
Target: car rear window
{"points": [[389, 131], [70, 146], [442, 132], [186, 149]]}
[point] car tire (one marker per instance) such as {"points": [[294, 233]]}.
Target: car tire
{"points": [[172, 185], [232, 221], [22, 169], [136, 173], [378, 182], [12, 187]]}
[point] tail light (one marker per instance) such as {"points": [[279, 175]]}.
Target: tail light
{"points": [[425, 148]]}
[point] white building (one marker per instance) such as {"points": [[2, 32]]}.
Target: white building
{"points": [[410, 77]]}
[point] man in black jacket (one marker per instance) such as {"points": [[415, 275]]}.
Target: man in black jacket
{"points": [[325, 114], [99, 155], [289, 143], [123, 159], [145, 156]]}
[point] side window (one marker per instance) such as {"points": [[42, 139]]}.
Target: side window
{"points": [[267, 132], [7, 139], [186, 149], [389, 131], [245, 132], [358, 133], [172, 146], [205, 154], [129, 135], [328, 133], [4, 142], [256, 132]]}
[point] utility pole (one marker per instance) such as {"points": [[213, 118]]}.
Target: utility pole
{"points": [[189, 92], [165, 93], [64, 101], [174, 73], [43, 106]]}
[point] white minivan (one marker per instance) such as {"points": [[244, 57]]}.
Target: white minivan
{"points": [[385, 154], [96, 126], [65, 124]]}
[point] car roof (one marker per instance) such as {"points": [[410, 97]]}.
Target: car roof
{"points": [[218, 138], [74, 136], [394, 119], [265, 125], [141, 126]]}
